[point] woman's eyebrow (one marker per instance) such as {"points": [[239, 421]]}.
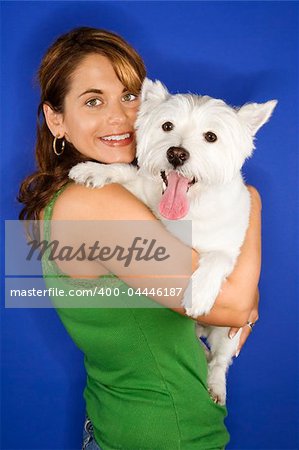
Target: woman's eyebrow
{"points": [[91, 91], [96, 91]]}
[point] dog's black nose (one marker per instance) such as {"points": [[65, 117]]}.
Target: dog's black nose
{"points": [[177, 156]]}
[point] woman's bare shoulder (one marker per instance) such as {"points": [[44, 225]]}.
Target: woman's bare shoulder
{"points": [[110, 202]]}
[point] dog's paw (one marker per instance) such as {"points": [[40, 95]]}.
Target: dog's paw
{"points": [[202, 291], [217, 397], [217, 383], [194, 308], [89, 174], [206, 282], [203, 299], [200, 309]]}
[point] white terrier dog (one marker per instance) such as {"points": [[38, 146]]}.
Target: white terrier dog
{"points": [[193, 147]]}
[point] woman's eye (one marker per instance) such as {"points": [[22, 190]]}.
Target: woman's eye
{"points": [[167, 126], [210, 136], [93, 102], [129, 97]]}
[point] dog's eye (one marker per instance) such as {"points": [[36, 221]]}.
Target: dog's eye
{"points": [[167, 126], [210, 136]]}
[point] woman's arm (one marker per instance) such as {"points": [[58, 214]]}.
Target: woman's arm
{"points": [[114, 203], [246, 329]]}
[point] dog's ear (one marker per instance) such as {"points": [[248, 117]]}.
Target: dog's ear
{"points": [[255, 115], [153, 91]]}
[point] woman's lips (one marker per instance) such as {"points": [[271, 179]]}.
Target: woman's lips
{"points": [[118, 140]]}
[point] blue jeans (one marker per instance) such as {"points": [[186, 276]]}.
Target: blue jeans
{"points": [[89, 442]]}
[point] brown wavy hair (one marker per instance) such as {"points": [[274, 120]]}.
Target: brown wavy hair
{"points": [[54, 75]]}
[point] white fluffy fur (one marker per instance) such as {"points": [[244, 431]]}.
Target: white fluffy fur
{"points": [[219, 200]]}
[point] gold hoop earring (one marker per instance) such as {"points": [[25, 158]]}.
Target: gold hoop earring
{"points": [[62, 146]]}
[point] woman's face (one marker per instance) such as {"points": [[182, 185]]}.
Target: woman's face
{"points": [[99, 113]]}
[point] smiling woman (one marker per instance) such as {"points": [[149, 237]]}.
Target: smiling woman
{"points": [[146, 373], [99, 113], [90, 80]]}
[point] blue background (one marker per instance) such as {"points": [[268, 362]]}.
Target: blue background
{"points": [[238, 51]]}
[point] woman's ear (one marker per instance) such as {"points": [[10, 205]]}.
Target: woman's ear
{"points": [[54, 121]]}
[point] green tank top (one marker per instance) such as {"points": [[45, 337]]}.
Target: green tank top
{"points": [[146, 383]]}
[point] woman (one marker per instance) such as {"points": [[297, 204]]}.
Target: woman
{"points": [[146, 374]]}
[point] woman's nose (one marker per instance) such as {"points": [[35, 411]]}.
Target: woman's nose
{"points": [[116, 114]]}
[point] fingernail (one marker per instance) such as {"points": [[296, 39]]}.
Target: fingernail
{"points": [[238, 353], [232, 334]]}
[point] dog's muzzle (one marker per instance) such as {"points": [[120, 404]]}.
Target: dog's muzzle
{"points": [[177, 156]]}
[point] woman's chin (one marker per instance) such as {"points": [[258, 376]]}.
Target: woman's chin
{"points": [[123, 158]]}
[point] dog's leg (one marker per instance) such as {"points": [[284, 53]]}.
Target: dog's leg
{"points": [[222, 352], [206, 282], [96, 175]]}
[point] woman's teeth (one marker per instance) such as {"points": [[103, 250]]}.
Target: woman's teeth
{"points": [[118, 137]]}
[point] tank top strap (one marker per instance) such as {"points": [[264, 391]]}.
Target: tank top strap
{"points": [[48, 212], [49, 207]]}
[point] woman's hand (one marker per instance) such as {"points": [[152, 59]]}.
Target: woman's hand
{"points": [[246, 330]]}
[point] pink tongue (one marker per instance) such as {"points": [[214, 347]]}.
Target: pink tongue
{"points": [[174, 203]]}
